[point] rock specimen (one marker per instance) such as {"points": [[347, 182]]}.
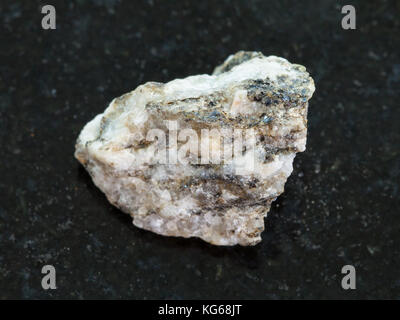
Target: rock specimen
{"points": [[202, 156]]}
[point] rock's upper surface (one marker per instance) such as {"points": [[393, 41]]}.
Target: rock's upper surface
{"points": [[145, 151]]}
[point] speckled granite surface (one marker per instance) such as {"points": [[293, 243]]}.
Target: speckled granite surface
{"points": [[341, 205]]}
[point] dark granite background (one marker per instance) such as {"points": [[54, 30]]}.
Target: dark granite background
{"points": [[341, 204]]}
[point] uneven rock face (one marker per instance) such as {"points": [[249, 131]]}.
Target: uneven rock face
{"points": [[202, 156]]}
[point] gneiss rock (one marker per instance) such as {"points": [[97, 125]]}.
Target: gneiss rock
{"points": [[202, 156]]}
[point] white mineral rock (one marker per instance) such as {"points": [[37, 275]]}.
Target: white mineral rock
{"points": [[202, 156]]}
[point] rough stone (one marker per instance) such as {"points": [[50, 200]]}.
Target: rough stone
{"points": [[168, 184]]}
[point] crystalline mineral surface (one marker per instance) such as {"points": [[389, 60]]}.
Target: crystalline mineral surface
{"points": [[202, 156]]}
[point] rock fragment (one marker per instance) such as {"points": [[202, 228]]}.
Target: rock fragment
{"points": [[202, 156]]}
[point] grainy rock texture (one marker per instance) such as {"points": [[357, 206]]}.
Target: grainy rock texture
{"points": [[224, 201]]}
